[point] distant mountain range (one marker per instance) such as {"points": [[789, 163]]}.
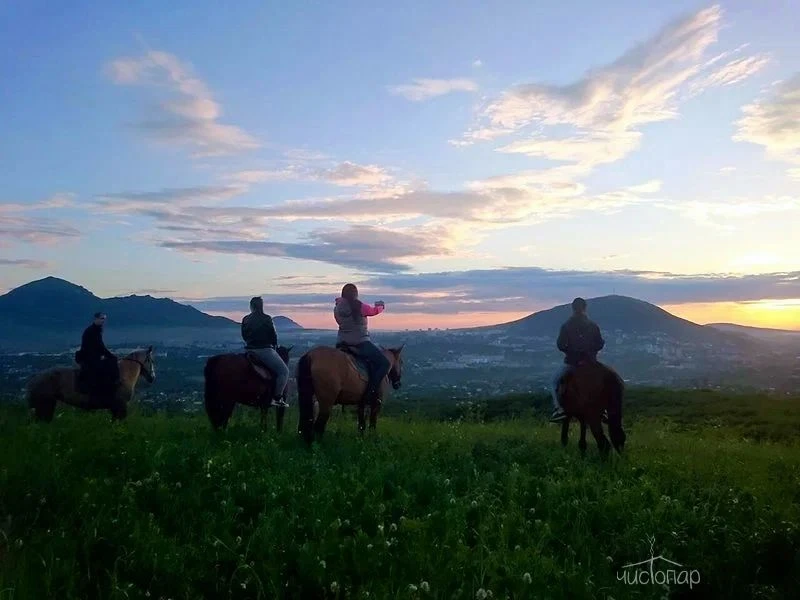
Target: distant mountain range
{"points": [[55, 311]]}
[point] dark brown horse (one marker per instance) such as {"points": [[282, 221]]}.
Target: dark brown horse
{"points": [[61, 384], [240, 377], [334, 377], [585, 393]]}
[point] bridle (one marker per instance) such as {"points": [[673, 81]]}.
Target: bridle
{"points": [[394, 377], [145, 370]]}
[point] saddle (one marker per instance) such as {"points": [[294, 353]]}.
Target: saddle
{"points": [[357, 362], [259, 367]]}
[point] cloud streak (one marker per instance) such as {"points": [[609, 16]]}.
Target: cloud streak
{"points": [[425, 89], [526, 288], [187, 115], [366, 248], [605, 109], [774, 122], [24, 262]]}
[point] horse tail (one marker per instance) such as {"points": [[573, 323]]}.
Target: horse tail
{"points": [[617, 391], [40, 395], [213, 399], [305, 397]]}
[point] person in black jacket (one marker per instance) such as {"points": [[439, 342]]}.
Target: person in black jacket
{"points": [[96, 361], [580, 340], [260, 337]]}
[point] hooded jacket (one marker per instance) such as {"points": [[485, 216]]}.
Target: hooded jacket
{"points": [[353, 328]]}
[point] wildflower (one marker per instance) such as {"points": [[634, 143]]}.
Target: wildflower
{"points": [[412, 588], [526, 578], [323, 564], [481, 594], [244, 486], [425, 587], [334, 587], [393, 527], [474, 504]]}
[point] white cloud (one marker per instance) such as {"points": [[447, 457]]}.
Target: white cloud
{"points": [[774, 122], [422, 89], [477, 63], [604, 111], [189, 116]]}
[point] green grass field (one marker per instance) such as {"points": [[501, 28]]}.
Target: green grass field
{"points": [[162, 507]]}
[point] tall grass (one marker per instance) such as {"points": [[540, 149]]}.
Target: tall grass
{"points": [[162, 507]]}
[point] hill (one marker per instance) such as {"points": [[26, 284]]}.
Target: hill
{"points": [[626, 315], [762, 333], [52, 310]]}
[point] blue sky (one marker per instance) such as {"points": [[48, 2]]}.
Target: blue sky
{"points": [[210, 154]]}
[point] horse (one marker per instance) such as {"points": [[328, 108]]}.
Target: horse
{"points": [[240, 377], [585, 392], [336, 376], [61, 383]]}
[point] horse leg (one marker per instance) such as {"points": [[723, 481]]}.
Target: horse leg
{"points": [[264, 415], [280, 413], [373, 415], [597, 431], [565, 431], [361, 421], [582, 441], [320, 423], [118, 407]]}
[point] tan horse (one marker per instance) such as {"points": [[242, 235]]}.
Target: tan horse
{"points": [[585, 392], [59, 384], [333, 376]]}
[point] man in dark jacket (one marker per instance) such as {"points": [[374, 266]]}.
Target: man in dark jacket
{"points": [[580, 340], [260, 337], [96, 361]]}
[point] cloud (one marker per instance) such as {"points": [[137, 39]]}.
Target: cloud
{"points": [[351, 174], [169, 198], [711, 213], [423, 89], [16, 227], [733, 72], [524, 289], [24, 262], [597, 119], [188, 116], [362, 247], [774, 122], [477, 63]]}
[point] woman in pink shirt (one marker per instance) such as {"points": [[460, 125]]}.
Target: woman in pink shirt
{"points": [[351, 315]]}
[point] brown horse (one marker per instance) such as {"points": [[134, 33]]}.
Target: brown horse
{"points": [[334, 377], [60, 384], [585, 392], [240, 377]]}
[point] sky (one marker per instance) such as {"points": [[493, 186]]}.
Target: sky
{"points": [[466, 162]]}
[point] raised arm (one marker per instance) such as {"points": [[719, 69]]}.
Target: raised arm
{"points": [[371, 311]]}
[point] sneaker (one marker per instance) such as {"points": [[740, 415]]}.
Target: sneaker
{"points": [[558, 416], [280, 402], [604, 416]]}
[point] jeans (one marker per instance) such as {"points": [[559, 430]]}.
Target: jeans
{"points": [[273, 361], [563, 370], [378, 365]]}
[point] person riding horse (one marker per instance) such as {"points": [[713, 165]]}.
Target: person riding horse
{"points": [[98, 365], [261, 339], [351, 315], [580, 340]]}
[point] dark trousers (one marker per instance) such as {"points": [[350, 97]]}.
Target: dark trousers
{"points": [[378, 365], [102, 375]]}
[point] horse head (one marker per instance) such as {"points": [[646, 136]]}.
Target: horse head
{"points": [[144, 358], [396, 371], [283, 352]]}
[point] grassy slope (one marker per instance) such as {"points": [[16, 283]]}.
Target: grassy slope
{"points": [[162, 506]]}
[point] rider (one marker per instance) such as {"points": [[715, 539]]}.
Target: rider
{"points": [[351, 315], [260, 337], [580, 340], [96, 360]]}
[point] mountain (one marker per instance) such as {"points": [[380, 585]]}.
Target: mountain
{"points": [[761, 333], [623, 314], [53, 310]]}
